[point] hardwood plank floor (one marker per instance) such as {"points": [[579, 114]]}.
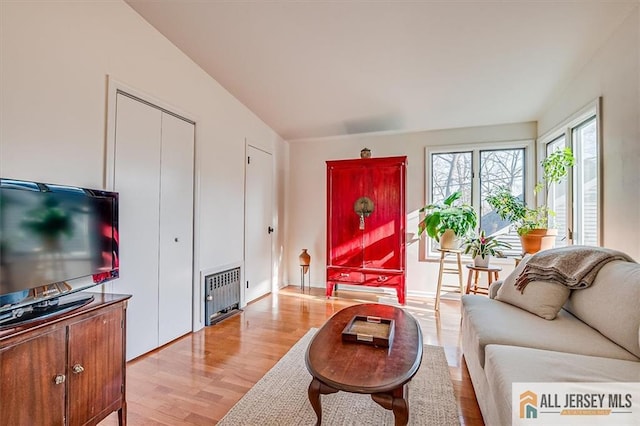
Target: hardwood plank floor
{"points": [[196, 379]]}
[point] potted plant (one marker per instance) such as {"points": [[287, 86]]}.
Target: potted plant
{"points": [[481, 248], [446, 222], [532, 224]]}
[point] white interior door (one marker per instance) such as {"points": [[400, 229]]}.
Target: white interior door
{"points": [[176, 229], [258, 223], [136, 172]]}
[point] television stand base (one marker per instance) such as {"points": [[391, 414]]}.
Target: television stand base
{"points": [[29, 314]]}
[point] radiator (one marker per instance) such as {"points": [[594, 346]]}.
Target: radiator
{"points": [[222, 295]]}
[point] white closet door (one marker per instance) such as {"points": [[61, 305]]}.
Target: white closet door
{"points": [[258, 223], [176, 229], [136, 172]]}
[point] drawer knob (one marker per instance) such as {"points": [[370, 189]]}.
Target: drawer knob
{"points": [[77, 369], [343, 275], [382, 278]]}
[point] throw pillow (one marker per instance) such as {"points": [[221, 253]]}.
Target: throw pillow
{"points": [[610, 304], [541, 298]]}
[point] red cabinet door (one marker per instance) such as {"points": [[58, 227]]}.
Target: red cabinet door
{"points": [[383, 236], [345, 239]]}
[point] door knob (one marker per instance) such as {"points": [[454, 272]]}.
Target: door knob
{"points": [[270, 230], [77, 369], [59, 379]]}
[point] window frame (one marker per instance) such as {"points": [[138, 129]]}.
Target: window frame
{"points": [[529, 175], [565, 128]]}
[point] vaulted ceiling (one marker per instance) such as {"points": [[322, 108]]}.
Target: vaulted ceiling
{"points": [[324, 68]]}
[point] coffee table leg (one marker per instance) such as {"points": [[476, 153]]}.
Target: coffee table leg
{"points": [[400, 411], [396, 401], [317, 388]]}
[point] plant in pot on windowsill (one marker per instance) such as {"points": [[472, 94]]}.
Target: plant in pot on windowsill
{"points": [[532, 224], [446, 222], [481, 248]]}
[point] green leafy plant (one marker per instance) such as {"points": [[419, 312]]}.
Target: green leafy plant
{"points": [[555, 169], [483, 246], [461, 219]]}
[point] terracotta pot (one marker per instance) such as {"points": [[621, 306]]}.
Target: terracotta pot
{"points": [[479, 262], [449, 240], [305, 260], [538, 239]]}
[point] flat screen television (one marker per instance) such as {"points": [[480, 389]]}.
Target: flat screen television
{"points": [[55, 240]]}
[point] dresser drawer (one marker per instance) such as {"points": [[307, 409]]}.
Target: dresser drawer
{"points": [[346, 276], [381, 280]]}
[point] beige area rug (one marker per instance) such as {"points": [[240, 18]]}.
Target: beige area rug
{"points": [[280, 397]]}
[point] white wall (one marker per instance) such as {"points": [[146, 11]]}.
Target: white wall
{"points": [[55, 58], [307, 191], [614, 74]]}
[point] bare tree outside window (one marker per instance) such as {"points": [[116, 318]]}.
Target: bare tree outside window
{"points": [[501, 168], [451, 172]]}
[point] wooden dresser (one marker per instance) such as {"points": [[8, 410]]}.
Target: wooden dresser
{"points": [[66, 370], [366, 223]]}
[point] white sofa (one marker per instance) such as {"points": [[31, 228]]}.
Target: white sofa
{"points": [[594, 338]]}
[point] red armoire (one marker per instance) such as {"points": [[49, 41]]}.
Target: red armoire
{"points": [[366, 223]]}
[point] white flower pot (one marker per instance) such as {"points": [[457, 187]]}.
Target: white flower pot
{"points": [[449, 240], [479, 262]]}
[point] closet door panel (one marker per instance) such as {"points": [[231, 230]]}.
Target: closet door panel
{"points": [[176, 228], [136, 178]]}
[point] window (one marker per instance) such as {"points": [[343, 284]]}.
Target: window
{"points": [[576, 202], [451, 172], [475, 171], [557, 199], [500, 168]]}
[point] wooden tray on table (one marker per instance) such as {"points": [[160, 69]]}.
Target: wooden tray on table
{"points": [[369, 330]]}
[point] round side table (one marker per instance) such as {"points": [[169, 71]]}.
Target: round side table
{"points": [[474, 271]]}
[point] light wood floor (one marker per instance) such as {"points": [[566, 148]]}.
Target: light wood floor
{"points": [[199, 377]]}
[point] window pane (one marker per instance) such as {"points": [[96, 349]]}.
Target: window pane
{"points": [[586, 179], [557, 199], [451, 172], [501, 168]]}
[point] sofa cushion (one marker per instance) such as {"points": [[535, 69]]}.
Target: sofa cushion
{"points": [[610, 304], [504, 366], [544, 299], [493, 322]]}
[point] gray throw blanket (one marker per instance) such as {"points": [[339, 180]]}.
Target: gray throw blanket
{"points": [[573, 266]]}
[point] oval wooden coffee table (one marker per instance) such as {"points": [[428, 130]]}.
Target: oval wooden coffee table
{"points": [[360, 368]]}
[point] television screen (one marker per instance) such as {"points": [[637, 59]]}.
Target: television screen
{"points": [[51, 236]]}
